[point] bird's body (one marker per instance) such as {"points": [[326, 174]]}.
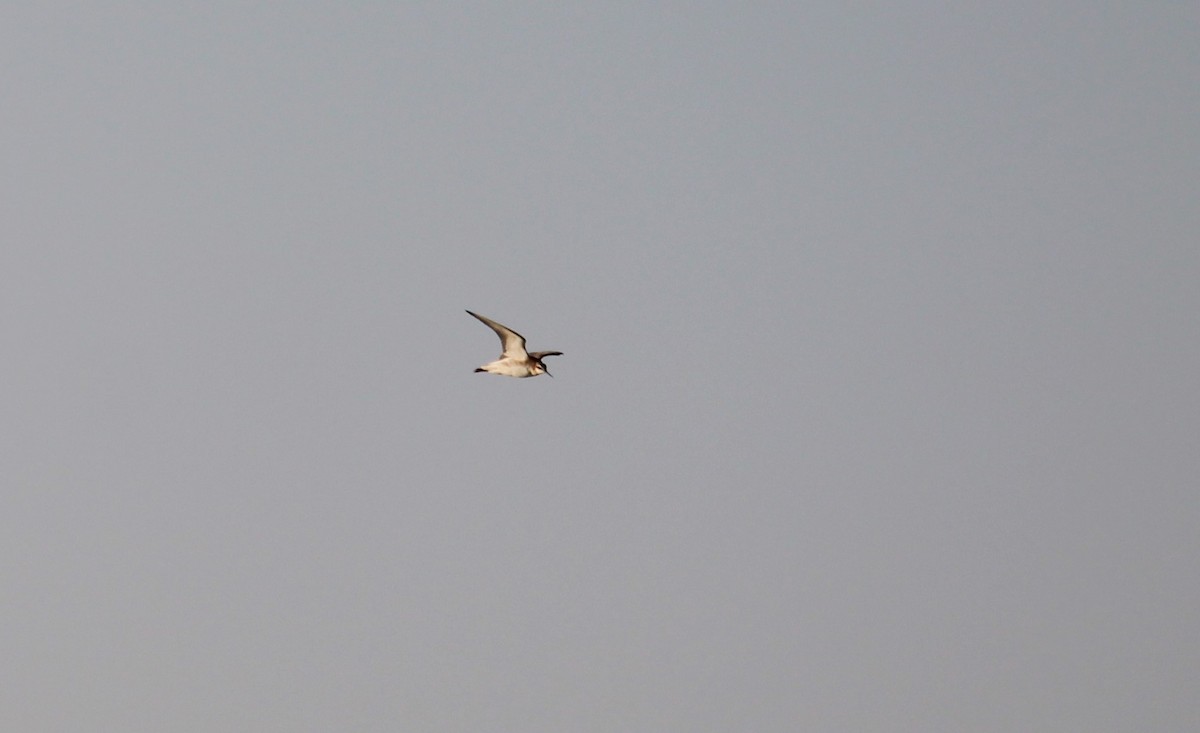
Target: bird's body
{"points": [[514, 361]]}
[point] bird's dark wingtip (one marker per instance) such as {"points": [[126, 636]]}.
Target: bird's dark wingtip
{"points": [[481, 370]]}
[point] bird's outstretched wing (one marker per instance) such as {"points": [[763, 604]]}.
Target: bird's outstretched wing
{"points": [[539, 355], [514, 343]]}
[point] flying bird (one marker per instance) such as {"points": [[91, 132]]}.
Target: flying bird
{"points": [[514, 361]]}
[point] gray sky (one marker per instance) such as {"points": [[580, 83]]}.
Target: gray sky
{"points": [[879, 409]]}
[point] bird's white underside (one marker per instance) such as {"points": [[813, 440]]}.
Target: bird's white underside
{"points": [[511, 368]]}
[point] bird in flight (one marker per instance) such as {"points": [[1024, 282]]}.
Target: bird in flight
{"points": [[514, 361]]}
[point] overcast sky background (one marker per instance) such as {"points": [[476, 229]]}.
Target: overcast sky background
{"points": [[879, 409]]}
